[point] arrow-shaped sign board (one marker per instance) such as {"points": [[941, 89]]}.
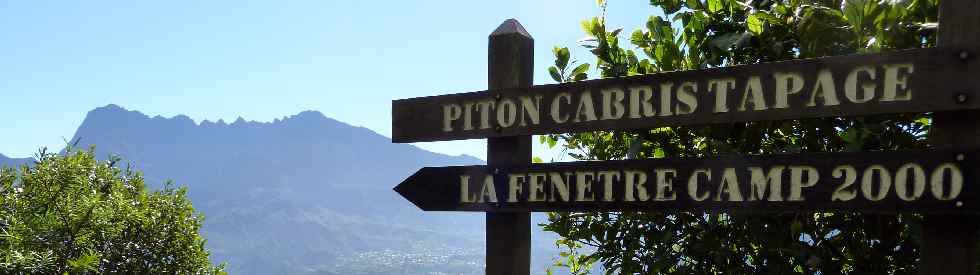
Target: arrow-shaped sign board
{"points": [[931, 182], [918, 80]]}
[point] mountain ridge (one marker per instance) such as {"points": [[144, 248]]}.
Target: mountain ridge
{"points": [[305, 194], [311, 190], [13, 162], [111, 112]]}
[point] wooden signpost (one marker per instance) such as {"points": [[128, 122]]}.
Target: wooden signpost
{"points": [[918, 80], [949, 242], [511, 65], [940, 183], [882, 182]]}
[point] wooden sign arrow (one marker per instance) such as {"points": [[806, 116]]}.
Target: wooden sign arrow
{"points": [[932, 181], [918, 80]]}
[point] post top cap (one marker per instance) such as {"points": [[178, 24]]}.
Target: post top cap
{"points": [[510, 26]]}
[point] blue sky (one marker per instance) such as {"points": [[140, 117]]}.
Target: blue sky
{"points": [[261, 60]]}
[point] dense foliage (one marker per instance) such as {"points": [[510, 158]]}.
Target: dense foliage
{"points": [[71, 213], [697, 34]]}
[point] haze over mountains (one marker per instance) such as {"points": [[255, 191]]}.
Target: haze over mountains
{"points": [[4, 160], [302, 195]]}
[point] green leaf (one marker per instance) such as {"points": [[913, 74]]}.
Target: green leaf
{"points": [[615, 32], [714, 6], [561, 57], [854, 138], [87, 262], [694, 4], [555, 74], [854, 11], [580, 69], [668, 6], [754, 24], [726, 41], [638, 38]]}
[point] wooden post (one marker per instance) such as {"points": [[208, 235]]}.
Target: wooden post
{"points": [[511, 63], [950, 241]]}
